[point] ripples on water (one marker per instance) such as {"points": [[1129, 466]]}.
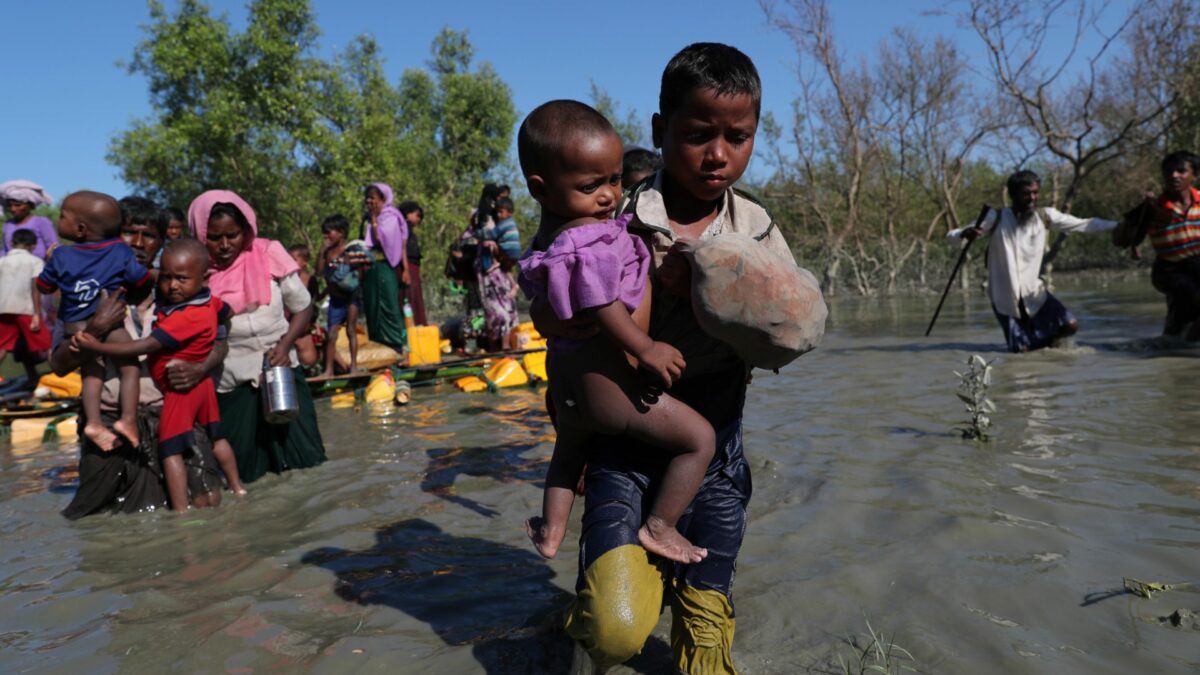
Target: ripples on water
{"points": [[405, 552]]}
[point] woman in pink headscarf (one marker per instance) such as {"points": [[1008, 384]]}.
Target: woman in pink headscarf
{"points": [[258, 279]]}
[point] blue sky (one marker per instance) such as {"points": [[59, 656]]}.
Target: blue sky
{"points": [[68, 94]]}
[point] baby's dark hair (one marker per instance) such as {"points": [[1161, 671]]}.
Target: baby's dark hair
{"points": [[1180, 157], [708, 65], [641, 160], [336, 222], [504, 203], [1022, 179], [550, 127], [302, 249], [187, 246], [24, 238], [103, 216], [408, 207], [144, 211]]}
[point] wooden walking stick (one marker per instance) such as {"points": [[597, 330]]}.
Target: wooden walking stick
{"points": [[961, 257]]}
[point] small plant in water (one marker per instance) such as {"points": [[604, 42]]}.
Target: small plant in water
{"points": [[874, 653], [972, 390]]}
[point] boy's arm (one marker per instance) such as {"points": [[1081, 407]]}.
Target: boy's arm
{"points": [[86, 342], [659, 358], [35, 323]]}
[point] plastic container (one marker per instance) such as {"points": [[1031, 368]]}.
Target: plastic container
{"points": [[278, 388], [409, 322], [424, 345]]}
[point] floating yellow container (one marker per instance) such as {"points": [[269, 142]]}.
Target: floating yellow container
{"points": [[33, 430], [424, 345], [535, 365], [339, 401], [380, 388], [65, 387]]}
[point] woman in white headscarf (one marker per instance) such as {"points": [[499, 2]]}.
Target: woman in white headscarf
{"points": [[21, 197]]}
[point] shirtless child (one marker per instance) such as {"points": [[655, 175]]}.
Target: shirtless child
{"points": [[98, 261], [583, 261], [188, 321]]}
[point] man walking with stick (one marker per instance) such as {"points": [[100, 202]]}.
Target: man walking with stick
{"points": [[1030, 317]]}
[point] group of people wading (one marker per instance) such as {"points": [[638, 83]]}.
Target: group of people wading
{"points": [[1030, 317], [664, 515]]}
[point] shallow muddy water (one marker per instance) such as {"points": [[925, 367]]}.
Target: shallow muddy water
{"points": [[406, 553]]}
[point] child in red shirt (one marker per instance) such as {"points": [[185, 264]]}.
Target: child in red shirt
{"points": [[186, 325]]}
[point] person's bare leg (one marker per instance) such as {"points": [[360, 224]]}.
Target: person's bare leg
{"points": [[93, 383], [547, 531], [612, 398], [331, 349], [176, 474], [130, 389], [352, 334], [223, 451]]}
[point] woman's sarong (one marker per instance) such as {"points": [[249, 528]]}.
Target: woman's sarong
{"points": [[381, 304], [496, 292], [261, 446]]}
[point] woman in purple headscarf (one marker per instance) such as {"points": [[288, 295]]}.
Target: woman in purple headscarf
{"points": [[386, 234]]}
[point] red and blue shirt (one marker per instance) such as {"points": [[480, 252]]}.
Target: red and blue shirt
{"points": [[1180, 238], [186, 331], [83, 270]]}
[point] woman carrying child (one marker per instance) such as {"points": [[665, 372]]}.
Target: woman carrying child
{"points": [[257, 279]]}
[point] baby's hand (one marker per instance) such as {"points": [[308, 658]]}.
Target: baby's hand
{"points": [[664, 361], [83, 342]]}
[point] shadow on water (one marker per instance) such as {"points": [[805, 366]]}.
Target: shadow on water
{"points": [[492, 596], [503, 462]]}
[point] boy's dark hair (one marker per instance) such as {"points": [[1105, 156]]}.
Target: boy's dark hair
{"points": [[504, 188], [641, 160], [173, 213], [708, 65], [1180, 157], [1021, 179], [336, 222], [187, 246], [550, 126], [24, 238], [142, 211], [504, 203], [408, 207], [302, 249]]}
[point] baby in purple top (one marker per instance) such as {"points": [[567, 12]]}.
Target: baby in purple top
{"points": [[584, 262]]}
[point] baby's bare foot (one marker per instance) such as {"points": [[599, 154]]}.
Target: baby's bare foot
{"points": [[658, 537], [100, 435], [128, 429], [545, 537]]}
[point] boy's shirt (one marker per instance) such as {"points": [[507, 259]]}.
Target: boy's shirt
{"points": [[671, 318], [1179, 238], [83, 270], [17, 269], [187, 332]]}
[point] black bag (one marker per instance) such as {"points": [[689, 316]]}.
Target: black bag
{"points": [[460, 263]]}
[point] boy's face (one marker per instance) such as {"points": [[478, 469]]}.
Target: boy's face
{"points": [[502, 214], [301, 260], [180, 276], [174, 229], [1178, 177], [706, 143], [335, 237], [413, 218], [587, 180]]}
